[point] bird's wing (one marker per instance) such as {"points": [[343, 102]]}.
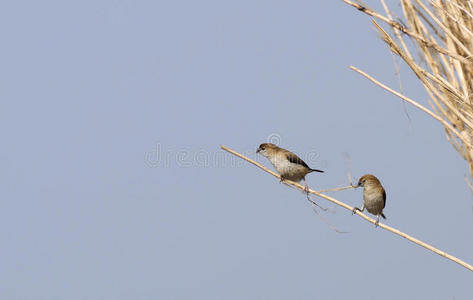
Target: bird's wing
{"points": [[384, 198], [295, 159]]}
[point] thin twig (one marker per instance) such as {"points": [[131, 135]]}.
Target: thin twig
{"points": [[362, 215], [349, 164], [324, 220], [337, 189], [350, 185], [444, 123]]}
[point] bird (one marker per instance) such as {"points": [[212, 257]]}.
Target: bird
{"points": [[287, 164], [374, 196]]}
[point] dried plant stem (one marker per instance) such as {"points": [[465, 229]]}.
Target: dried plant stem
{"points": [[440, 55], [426, 110], [348, 207], [405, 30]]}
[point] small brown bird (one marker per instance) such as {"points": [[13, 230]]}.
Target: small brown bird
{"points": [[288, 165], [374, 196]]}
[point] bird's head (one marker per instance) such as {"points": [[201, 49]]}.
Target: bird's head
{"points": [[266, 149], [368, 180]]}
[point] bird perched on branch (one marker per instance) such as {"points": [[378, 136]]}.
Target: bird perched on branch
{"points": [[374, 196], [287, 164]]}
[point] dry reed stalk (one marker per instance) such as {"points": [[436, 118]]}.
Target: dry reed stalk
{"points": [[442, 35], [348, 207]]}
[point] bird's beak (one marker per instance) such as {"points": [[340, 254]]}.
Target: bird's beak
{"points": [[257, 151]]}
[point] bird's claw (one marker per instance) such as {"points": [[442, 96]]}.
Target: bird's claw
{"points": [[354, 210], [306, 189]]}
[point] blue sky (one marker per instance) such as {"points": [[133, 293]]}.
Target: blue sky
{"points": [[114, 187]]}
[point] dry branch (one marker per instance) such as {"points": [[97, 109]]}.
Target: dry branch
{"points": [[348, 207]]}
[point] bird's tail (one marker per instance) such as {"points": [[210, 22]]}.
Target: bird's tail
{"points": [[315, 170], [382, 215]]}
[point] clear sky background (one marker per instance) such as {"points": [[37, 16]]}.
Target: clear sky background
{"points": [[113, 185]]}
